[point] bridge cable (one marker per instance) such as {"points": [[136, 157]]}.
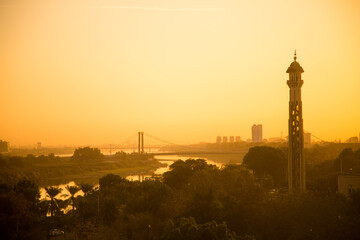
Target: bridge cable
{"points": [[171, 143], [315, 136]]}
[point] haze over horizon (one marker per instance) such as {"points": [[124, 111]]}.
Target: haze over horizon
{"points": [[94, 72]]}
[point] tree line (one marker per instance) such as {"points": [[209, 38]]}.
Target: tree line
{"points": [[193, 200]]}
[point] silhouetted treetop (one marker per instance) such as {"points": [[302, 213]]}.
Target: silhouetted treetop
{"points": [[265, 160], [181, 171], [189, 229], [110, 180], [87, 153], [349, 161]]}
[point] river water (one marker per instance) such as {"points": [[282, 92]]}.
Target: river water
{"points": [[167, 159]]}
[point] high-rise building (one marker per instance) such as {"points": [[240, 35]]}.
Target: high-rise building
{"points": [[296, 162], [353, 140], [218, 139], [4, 146], [38, 146], [232, 139], [225, 139], [238, 139], [256, 132]]}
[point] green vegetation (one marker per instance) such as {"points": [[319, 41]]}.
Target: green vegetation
{"points": [[86, 164], [72, 190], [53, 206], [189, 229], [23, 152], [322, 165], [231, 153], [19, 210], [267, 161], [193, 200], [348, 161], [322, 175], [87, 154]]}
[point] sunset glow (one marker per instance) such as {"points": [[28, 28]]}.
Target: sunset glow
{"points": [[95, 72]]}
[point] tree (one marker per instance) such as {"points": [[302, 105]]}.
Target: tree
{"points": [[354, 195], [29, 189], [14, 214], [87, 154], [181, 171], [110, 180], [72, 190], [189, 229], [19, 214], [108, 210], [267, 160], [88, 205], [150, 197], [53, 206], [86, 188], [348, 161]]}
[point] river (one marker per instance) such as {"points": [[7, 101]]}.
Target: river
{"points": [[167, 159]]}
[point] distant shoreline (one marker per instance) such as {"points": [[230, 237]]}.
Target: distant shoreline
{"points": [[57, 170]]}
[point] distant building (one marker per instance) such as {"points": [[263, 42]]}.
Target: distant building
{"points": [[347, 182], [353, 140], [232, 139], [225, 139], [276, 139], [218, 139], [257, 135], [238, 139], [4, 146], [307, 138], [38, 146]]}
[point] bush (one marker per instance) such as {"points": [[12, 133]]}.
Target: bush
{"points": [[87, 154]]}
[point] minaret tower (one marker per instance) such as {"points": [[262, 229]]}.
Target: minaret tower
{"points": [[296, 163]]}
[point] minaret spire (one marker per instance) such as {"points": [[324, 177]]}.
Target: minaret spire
{"points": [[296, 162]]}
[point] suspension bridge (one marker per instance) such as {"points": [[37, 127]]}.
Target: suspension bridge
{"points": [[159, 146]]}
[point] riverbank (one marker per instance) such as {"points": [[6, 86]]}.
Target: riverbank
{"points": [[92, 177], [50, 170], [230, 158]]}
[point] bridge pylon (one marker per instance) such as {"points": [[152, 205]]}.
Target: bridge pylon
{"points": [[140, 142]]}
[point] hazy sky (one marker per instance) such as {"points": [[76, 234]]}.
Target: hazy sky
{"points": [[98, 71]]}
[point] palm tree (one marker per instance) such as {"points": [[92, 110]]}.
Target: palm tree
{"points": [[72, 190], [52, 192], [86, 188]]}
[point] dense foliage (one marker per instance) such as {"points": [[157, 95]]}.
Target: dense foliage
{"points": [[51, 169], [19, 210], [266, 161], [348, 161], [193, 200], [87, 154], [210, 198]]}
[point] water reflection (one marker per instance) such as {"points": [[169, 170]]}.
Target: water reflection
{"points": [[167, 159], [63, 191], [63, 195]]}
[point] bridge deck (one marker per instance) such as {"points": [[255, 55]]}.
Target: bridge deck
{"points": [[195, 153]]}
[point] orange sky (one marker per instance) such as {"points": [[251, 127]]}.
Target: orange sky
{"points": [[93, 72]]}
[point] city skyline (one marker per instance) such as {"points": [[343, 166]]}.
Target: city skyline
{"points": [[93, 73]]}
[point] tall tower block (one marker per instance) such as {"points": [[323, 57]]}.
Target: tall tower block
{"points": [[296, 163]]}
